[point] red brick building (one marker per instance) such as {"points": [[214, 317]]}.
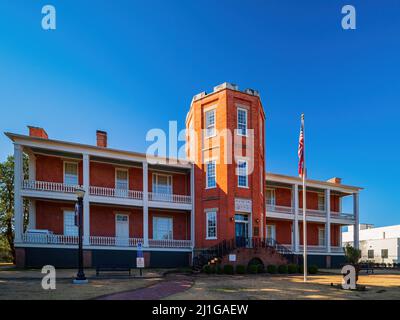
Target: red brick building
{"points": [[174, 208]]}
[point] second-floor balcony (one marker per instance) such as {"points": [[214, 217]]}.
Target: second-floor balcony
{"points": [[54, 189], [286, 212]]}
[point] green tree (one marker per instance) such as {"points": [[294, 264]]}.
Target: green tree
{"points": [[7, 201], [352, 254]]}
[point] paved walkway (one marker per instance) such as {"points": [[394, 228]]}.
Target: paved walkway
{"points": [[155, 292]]}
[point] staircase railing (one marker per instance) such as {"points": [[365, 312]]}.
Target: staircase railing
{"points": [[218, 251]]}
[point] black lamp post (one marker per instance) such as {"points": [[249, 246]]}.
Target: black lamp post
{"points": [[80, 277]]}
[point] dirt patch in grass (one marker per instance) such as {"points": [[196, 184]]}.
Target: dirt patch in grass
{"points": [[383, 286]]}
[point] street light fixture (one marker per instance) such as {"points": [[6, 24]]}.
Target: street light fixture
{"points": [[80, 277]]}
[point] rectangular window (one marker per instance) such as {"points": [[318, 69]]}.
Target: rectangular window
{"points": [[70, 229], [211, 174], [321, 202], [162, 184], [370, 254], [261, 131], [261, 180], [321, 236], [271, 232], [242, 174], [210, 123], [71, 173], [121, 179], [242, 121], [271, 197], [211, 225], [384, 253], [162, 228]]}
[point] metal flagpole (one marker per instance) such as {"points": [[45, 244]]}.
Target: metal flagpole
{"points": [[304, 204]]}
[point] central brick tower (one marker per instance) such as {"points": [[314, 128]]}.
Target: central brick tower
{"points": [[226, 143]]}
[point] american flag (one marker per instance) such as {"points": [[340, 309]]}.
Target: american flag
{"points": [[300, 151]]}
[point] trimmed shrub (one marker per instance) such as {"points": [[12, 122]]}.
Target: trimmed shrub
{"points": [[260, 268], [272, 269], [313, 269], [292, 268], [240, 269], [300, 268], [228, 269], [283, 268], [218, 269], [253, 268], [209, 269]]}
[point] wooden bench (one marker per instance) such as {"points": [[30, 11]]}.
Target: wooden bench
{"points": [[367, 267], [117, 268]]}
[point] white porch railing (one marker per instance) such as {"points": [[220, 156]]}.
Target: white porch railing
{"points": [[59, 239], [337, 249], [170, 243], [115, 193], [49, 186], [114, 241], [313, 248], [279, 209], [314, 213], [169, 197], [49, 238], [342, 215]]}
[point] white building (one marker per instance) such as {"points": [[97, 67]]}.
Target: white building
{"points": [[380, 245]]}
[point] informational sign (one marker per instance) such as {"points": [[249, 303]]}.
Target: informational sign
{"points": [[232, 257], [139, 262], [349, 277], [139, 250], [243, 205]]}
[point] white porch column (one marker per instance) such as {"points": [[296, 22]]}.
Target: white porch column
{"points": [[18, 202], [32, 202], [86, 203], [356, 211], [192, 213], [145, 205], [295, 196], [328, 219]]}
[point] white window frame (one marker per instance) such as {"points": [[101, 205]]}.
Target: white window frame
{"points": [[267, 235], [127, 178], [169, 224], [64, 225], [239, 131], [169, 183], [246, 175], [320, 229], [209, 161], [273, 193], [209, 213], [261, 180], [207, 126], [77, 171], [321, 197]]}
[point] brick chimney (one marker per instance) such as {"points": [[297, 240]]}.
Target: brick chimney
{"points": [[101, 138], [335, 180], [37, 132]]}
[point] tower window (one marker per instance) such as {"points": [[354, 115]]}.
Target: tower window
{"points": [[210, 174], [242, 121], [242, 174], [210, 123]]}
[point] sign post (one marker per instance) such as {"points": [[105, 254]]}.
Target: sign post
{"points": [[140, 258]]}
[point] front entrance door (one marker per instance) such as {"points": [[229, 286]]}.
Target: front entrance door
{"points": [[122, 230], [242, 230]]}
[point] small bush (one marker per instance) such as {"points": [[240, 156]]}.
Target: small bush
{"points": [[228, 269], [272, 269], [260, 268], [313, 269], [209, 269], [283, 268], [253, 268], [240, 269], [300, 268], [292, 268], [218, 269]]}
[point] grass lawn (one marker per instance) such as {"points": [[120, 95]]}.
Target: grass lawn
{"points": [[211, 287], [26, 284]]}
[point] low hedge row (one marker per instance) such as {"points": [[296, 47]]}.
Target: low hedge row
{"points": [[254, 269]]}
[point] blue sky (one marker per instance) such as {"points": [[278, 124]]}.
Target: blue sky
{"points": [[130, 66]]}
